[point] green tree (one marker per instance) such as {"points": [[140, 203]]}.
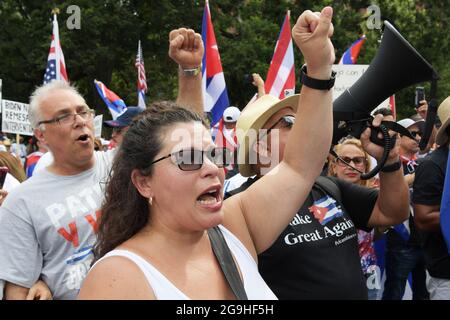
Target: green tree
{"points": [[246, 31]]}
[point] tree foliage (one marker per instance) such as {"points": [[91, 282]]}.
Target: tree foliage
{"points": [[246, 31]]}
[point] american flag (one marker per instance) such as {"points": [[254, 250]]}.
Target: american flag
{"points": [[56, 66], [280, 81], [142, 80]]}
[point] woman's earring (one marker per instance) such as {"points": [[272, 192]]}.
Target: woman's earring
{"points": [[150, 200]]}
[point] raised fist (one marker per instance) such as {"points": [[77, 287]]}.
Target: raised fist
{"points": [[312, 34], [186, 48]]}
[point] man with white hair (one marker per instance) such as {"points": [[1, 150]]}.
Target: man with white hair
{"points": [[48, 223]]}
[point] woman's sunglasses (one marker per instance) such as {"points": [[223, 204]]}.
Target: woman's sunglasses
{"points": [[344, 161], [192, 159]]}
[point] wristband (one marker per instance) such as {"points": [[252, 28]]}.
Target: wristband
{"points": [[316, 83], [392, 167], [191, 72]]}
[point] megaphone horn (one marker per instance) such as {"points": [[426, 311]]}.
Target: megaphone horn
{"points": [[396, 65]]}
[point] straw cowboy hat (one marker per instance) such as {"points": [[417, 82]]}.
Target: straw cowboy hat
{"points": [[252, 119], [444, 116]]}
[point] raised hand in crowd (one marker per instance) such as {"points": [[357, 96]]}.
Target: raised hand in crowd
{"points": [[258, 82], [309, 33], [186, 49], [422, 109]]}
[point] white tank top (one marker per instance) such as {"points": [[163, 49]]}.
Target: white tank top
{"points": [[255, 287]]}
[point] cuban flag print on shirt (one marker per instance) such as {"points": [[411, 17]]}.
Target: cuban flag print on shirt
{"points": [[56, 66], [325, 210], [280, 80], [214, 87], [115, 104]]}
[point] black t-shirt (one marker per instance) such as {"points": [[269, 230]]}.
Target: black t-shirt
{"points": [[316, 256], [428, 187]]}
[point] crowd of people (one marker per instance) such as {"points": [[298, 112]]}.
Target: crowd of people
{"points": [[258, 209]]}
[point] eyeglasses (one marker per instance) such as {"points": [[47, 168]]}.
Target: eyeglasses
{"points": [[286, 122], [69, 118], [344, 161], [414, 134], [192, 159]]}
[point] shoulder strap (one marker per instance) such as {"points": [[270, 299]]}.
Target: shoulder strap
{"points": [[227, 264], [330, 187]]}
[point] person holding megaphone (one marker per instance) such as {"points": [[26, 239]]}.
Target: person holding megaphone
{"points": [[316, 256]]}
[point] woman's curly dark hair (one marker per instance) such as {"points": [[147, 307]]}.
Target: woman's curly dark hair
{"points": [[125, 211]]}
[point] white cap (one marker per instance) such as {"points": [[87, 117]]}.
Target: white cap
{"points": [[406, 123], [231, 114]]}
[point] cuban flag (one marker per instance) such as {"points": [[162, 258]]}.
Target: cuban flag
{"points": [[325, 210], [142, 80], [115, 104], [445, 208], [280, 80], [351, 54], [214, 88], [56, 66]]}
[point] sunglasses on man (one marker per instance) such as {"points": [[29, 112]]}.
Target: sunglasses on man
{"points": [[285, 122], [193, 159], [414, 134]]}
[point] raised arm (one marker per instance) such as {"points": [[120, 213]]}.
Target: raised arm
{"points": [[392, 206], [270, 204], [258, 82], [186, 49]]}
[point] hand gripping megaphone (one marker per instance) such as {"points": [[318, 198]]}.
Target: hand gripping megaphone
{"points": [[396, 65]]}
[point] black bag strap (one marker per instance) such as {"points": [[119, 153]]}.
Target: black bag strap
{"points": [[330, 187], [227, 264]]}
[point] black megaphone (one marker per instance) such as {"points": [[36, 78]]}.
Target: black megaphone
{"points": [[396, 65]]}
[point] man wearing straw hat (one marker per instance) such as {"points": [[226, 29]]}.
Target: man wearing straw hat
{"points": [[427, 195]]}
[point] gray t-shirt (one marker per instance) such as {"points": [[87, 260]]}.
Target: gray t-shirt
{"points": [[48, 226]]}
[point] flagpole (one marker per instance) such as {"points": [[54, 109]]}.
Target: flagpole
{"points": [[18, 145]]}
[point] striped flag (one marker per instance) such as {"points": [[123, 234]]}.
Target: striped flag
{"points": [[280, 81], [115, 104], [56, 66], [445, 208], [351, 54], [214, 87], [142, 80]]}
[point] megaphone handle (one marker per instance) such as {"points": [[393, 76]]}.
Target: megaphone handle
{"points": [[387, 148]]}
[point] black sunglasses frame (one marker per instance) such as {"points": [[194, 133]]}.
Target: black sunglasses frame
{"points": [[289, 123], [196, 165]]}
